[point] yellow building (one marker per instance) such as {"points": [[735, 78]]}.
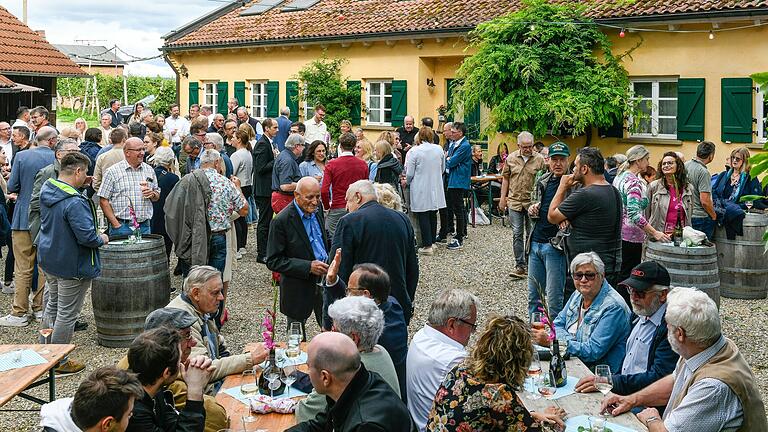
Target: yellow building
{"points": [[693, 62]]}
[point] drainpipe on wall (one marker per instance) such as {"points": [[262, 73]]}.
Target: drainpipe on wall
{"points": [[178, 78]]}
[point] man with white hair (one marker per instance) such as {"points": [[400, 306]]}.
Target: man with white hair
{"points": [[372, 233], [215, 141], [518, 179], [286, 173], [200, 298], [361, 320], [105, 127], [297, 248], [438, 347], [712, 388], [283, 128]]}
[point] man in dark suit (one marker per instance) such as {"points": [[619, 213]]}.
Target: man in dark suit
{"points": [[283, 128], [263, 160], [244, 117], [372, 233], [298, 249]]}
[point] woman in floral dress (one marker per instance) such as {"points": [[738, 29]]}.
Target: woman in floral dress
{"points": [[480, 394]]}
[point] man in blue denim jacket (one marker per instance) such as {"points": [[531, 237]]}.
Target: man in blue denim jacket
{"points": [[595, 321], [649, 356]]}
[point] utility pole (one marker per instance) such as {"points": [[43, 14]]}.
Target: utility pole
{"points": [[24, 9]]}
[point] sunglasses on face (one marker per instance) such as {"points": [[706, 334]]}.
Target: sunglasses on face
{"points": [[589, 275]]}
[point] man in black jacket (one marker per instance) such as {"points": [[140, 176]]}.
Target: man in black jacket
{"points": [[357, 399], [263, 161], [154, 355], [298, 250], [372, 233]]}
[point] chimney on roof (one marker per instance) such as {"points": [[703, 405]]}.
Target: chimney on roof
{"points": [[41, 33]]}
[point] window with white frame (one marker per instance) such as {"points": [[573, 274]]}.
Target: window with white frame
{"points": [[761, 113], [658, 107], [379, 102], [259, 99], [210, 98]]}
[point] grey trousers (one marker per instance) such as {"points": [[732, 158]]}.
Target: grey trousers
{"points": [[65, 301], [333, 219]]}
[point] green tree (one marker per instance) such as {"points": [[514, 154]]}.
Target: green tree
{"points": [[544, 67], [325, 85], [111, 87]]}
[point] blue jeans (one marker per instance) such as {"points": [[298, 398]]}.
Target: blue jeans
{"points": [[126, 229], [217, 252], [705, 225], [546, 266]]}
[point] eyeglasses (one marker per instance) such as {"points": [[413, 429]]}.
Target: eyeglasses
{"points": [[639, 294], [526, 146], [473, 325], [589, 275], [351, 290], [135, 150], [737, 159]]}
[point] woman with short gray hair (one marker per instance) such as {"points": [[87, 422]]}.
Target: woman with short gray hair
{"points": [[594, 324], [167, 173], [361, 319]]}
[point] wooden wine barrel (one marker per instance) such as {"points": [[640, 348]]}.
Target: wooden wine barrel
{"points": [[692, 267], [134, 281], [743, 265]]}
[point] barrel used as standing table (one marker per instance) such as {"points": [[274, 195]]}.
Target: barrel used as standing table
{"points": [[134, 281], [743, 265], [692, 267]]}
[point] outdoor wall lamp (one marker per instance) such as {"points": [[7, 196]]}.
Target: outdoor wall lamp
{"points": [[431, 83]]}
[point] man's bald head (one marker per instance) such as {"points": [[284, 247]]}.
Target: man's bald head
{"points": [[307, 184], [335, 353], [134, 141], [45, 136]]}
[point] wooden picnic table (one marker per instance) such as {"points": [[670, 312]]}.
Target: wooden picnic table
{"points": [[236, 410], [580, 403], [15, 381]]}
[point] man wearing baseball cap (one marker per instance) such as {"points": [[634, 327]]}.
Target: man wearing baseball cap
{"points": [[649, 356], [547, 263], [181, 320]]}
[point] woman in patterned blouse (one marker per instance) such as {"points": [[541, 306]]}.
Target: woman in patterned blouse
{"points": [[479, 394]]}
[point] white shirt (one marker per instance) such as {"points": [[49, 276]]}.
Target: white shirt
{"points": [[315, 131], [19, 123], [430, 357], [180, 124]]}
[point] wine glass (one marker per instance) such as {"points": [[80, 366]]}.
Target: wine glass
{"points": [[603, 379], [537, 320], [289, 376], [249, 387], [749, 205], [273, 377], [294, 340], [547, 386], [534, 371], [45, 338]]}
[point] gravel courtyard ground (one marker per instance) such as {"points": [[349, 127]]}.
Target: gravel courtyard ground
{"points": [[481, 267]]}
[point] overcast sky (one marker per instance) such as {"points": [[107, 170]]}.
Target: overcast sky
{"points": [[136, 26]]}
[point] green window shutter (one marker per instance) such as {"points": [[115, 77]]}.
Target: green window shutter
{"points": [[292, 99], [194, 93], [736, 110], [449, 86], [472, 122], [222, 88], [273, 99], [354, 111], [690, 109], [240, 92], [399, 102]]}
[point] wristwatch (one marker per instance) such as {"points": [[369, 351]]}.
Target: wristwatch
{"points": [[652, 419]]}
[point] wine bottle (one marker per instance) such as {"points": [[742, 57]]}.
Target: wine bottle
{"points": [[557, 372], [677, 234]]}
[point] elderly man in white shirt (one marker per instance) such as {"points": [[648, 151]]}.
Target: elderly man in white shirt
{"points": [[437, 348]]}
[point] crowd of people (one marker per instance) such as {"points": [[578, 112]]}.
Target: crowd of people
{"points": [[331, 216]]}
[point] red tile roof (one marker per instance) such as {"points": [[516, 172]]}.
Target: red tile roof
{"points": [[330, 19], [23, 51], [5, 82]]}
